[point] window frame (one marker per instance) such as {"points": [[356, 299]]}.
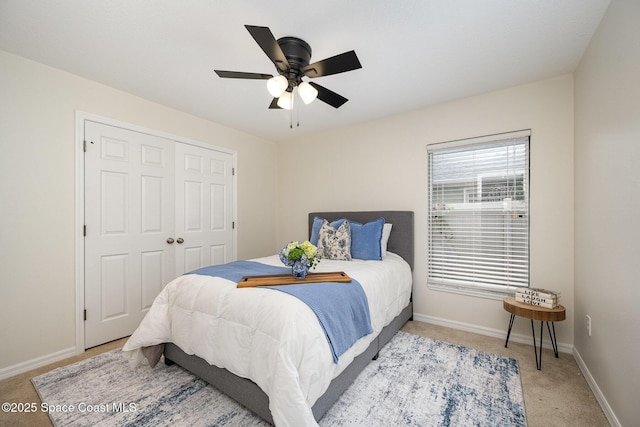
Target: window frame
{"points": [[485, 290]]}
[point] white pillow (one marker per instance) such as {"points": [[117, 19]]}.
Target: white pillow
{"points": [[386, 232]]}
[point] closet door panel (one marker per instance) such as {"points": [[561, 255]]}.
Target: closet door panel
{"points": [[204, 216], [129, 215]]}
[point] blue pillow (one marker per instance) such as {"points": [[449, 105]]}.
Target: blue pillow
{"points": [[365, 239], [317, 223]]}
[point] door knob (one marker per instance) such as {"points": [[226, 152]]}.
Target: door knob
{"points": [[170, 240], [180, 240]]}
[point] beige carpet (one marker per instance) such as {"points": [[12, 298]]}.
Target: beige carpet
{"points": [[558, 395]]}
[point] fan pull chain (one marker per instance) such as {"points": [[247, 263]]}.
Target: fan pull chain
{"points": [[291, 112]]}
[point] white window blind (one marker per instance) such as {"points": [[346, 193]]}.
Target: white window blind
{"points": [[479, 213]]}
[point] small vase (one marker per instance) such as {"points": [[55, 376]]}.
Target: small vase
{"points": [[299, 270]]}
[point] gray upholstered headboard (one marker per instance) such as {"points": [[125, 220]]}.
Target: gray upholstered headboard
{"points": [[401, 240]]}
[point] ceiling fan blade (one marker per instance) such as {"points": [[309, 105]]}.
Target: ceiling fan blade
{"points": [[242, 75], [274, 104], [268, 43], [336, 64], [329, 96]]}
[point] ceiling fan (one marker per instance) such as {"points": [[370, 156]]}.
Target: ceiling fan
{"points": [[291, 57]]}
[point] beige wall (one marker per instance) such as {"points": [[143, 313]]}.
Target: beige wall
{"points": [[37, 195], [607, 205], [382, 165]]}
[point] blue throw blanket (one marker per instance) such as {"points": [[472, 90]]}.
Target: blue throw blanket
{"points": [[236, 270], [341, 308]]}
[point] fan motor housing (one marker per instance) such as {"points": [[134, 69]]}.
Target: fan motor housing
{"points": [[298, 54]]}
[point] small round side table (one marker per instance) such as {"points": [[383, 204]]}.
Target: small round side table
{"points": [[534, 312]]}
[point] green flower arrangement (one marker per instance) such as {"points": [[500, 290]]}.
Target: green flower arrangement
{"points": [[305, 252]]}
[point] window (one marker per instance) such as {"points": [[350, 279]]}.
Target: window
{"points": [[479, 214]]}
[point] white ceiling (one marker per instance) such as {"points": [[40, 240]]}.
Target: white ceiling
{"points": [[414, 53]]}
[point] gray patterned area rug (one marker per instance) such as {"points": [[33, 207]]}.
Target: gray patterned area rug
{"points": [[416, 381]]}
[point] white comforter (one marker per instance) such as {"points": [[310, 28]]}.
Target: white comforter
{"points": [[268, 336]]}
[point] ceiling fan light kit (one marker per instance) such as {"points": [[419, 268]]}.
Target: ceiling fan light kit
{"points": [[285, 101], [291, 56], [307, 92], [277, 85]]}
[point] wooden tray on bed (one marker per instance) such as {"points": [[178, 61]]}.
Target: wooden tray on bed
{"points": [[288, 279]]}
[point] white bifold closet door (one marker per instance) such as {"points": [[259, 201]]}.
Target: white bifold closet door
{"points": [[154, 209], [203, 207]]}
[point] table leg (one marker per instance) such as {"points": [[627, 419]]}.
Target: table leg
{"points": [[541, 331], [513, 316], [554, 342], [535, 349]]}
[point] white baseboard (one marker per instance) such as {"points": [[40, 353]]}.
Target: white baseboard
{"points": [[38, 362], [496, 333], [606, 408]]}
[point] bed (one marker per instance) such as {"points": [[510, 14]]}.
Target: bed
{"points": [[303, 383]]}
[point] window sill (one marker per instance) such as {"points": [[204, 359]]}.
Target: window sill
{"points": [[478, 292]]}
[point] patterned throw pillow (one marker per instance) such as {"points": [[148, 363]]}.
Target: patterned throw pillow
{"points": [[335, 244]]}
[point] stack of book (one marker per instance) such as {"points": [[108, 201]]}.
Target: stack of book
{"points": [[536, 296]]}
